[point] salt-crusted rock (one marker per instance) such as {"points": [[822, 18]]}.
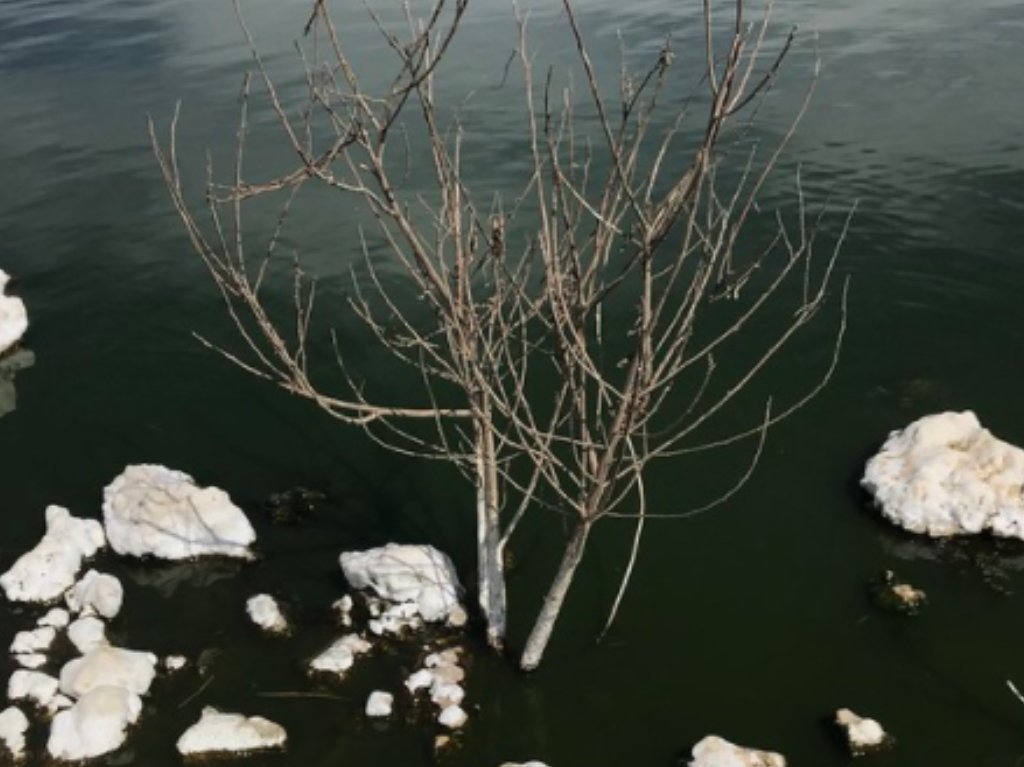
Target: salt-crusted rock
{"points": [[175, 662], [379, 703], [265, 613], [87, 633], [946, 475], [56, 617], [94, 725], [33, 686], [343, 607], [452, 717], [150, 510], [96, 594], [406, 573], [13, 318], [58, 703], [220, 732], [48, 570], [105, 665], [339, 657], [863, 735], [713, 751], [420, 680], [30, 659], [13, 726], [445, 695], [37, 640]]}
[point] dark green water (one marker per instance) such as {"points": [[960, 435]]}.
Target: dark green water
{"points": [[752, 622]]}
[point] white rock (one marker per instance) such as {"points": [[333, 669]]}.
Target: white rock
{"points": [[150, 510], [221, 732], [96, 594], [13, 318], [13, 726], [713, 751], [379, 703], [862, 734], [30, 659], [11, 363], [265, 613], [105, 665], [34, 686], [87, 633], [445, 694], [339, 657], [48, 570], [56, 618], [94, 725], [58, 703], [946, 475], [452, 717], [175, 662], [406, 573], [37, 640], [420, 680]]}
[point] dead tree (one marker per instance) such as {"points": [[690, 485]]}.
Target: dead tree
{"points": [[632, 215]]}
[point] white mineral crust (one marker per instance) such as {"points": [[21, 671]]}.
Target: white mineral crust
{"points": [[406, 573], [946, 475], [94, 725], [13, 726], [48, 570], [713, 751], [264, 612], [13, 318], [150, 510], [221, 732], [96, 594]]}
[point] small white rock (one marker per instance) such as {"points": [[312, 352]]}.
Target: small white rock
{"points": [[94, 725], [87, 633], [264, 611], [96, 594], [714, 751], [13, 726], [33, 686], [444, 695], [30, 659], [863, 735], [379, 703], [340, 656], [35, 641], [221, 732], [452, 717], [175, 662], [420, 680], [56, 617]]}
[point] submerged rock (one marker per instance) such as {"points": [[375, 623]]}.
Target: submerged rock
{"points": [[946, 475], [11, 364], [48, 570], [400, 573], [96, 724], [56, 617], [150, 510], [863, 735], [263, 610], [892, 594], [714, 751], [13, 317], [13, 726], [37, 640], [218, 732]]}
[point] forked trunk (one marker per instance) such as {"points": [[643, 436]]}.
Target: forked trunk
{"points": [[490, 569], [545, 623]]}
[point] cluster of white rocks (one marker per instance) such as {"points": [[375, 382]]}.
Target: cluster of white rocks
{"points": [[13, 318], [945, 474], [441, 677]]}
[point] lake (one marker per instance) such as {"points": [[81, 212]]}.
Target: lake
{"points": [[752, 622]]}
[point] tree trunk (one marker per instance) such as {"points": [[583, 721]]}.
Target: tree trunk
{"points": [[545, 623], [490, 568]]}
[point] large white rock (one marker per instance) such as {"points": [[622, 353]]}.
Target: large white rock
{"points": [[406, 573], [96, 594], [94, 725], [220, 732], [105, 665], [48, 570], [13, 726], [13, 318], [264, 611], [947, 475], [150, 510], [714, 751]]}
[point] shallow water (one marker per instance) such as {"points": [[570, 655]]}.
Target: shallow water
{"points": [[752, 622]]}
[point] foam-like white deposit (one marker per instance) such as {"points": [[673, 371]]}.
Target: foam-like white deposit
{"points": [[264, 611], [150, 510], [13, 317], [403, 573], [94, 725], [96, 594], [946, 475], [13, 726], [48, 570], [714, 751], [104, 666], [222, 732]]}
